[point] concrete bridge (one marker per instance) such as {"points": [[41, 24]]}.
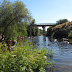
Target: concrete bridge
{"points": [[43, 25]]}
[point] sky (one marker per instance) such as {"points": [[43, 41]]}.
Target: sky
{"points": [[49, 11]]}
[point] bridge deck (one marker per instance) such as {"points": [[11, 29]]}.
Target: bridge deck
{"points": [[43, 24]]}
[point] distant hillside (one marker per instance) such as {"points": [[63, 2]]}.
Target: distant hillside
{"points": [[61, 31]]}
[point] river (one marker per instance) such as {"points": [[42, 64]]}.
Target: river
{"points": [[62, 52]]}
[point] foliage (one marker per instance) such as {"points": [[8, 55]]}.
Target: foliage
{"points": [[32, 22], [22, 30], [40, 32], [61, 30], [14, 19], [3, 48], [49, 31], [70, 34], [50, 53], [33, 29], [61, 21], [23, 58]]}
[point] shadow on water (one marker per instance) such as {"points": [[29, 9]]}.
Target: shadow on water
{"points": [[44, 38], [62, 52]]}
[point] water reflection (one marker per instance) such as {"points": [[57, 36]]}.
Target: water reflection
{"points": [[44, 41], [62, 52], [50, 39], [44, 38]]}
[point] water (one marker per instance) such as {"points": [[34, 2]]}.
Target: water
{"points": [[62, 52]]}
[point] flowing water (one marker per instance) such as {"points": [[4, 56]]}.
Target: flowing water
{"points": [[62, 52]]}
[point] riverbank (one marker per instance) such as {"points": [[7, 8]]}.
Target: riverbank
{"points": [[61, 31]]}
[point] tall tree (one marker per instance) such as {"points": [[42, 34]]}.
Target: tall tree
{"points": [[12, 17]]}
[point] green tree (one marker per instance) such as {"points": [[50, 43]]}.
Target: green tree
{"points": [[61, 21], [14, 18], [40, 32], [32, 22], [22, 30], [33, 29]]}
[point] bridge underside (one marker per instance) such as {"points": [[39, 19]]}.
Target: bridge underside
{"points": [[43, 26]]}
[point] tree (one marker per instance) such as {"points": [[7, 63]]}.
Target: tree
{"points": [[33, 29], [61, 21], [14, 18], [32, 22], [40, 32], [22, 30]]}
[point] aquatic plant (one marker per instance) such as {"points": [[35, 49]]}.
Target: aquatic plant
{"points": [[50, 53]]}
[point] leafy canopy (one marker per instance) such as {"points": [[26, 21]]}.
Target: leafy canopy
{"points": [[12, 17], [61, 21]]}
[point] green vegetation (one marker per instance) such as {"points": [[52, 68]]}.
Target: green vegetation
{"points": [[70, 34], [61, 21], [49, 31], [63, 30], [15, 20], [23, 58], [40, 32], [34, 30]]}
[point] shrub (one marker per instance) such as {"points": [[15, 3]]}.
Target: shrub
{"points": [[70, 34], [24, 58]]}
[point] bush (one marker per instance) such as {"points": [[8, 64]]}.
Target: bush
{"points": [[23, 58], [70, 34], [60, 34], [49, 31]]}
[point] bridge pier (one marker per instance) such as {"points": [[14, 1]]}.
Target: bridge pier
{"points": [[30, 31], [43, 30]]}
